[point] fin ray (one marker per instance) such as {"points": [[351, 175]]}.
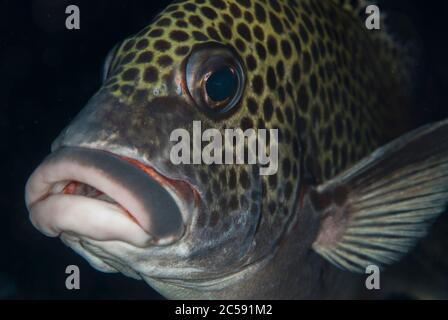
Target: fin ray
{"points": [[391, 199]]}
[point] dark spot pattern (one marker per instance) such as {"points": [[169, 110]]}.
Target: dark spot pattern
{"points": [[151, 75], [244, 31], [130, 74], [179, 36], [306, 74], [162, 45]]}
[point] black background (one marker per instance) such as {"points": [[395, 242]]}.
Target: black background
{"points": [[47, 74]]}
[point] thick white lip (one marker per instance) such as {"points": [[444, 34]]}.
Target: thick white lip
{"points": [[53, 212], [91, 218]]}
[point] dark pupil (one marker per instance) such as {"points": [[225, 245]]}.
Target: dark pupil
{"points": [[221, 85]]}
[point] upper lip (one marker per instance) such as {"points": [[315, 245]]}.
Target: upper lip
{"points": [[136, 195]]}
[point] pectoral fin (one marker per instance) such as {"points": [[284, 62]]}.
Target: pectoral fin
{"points": [[376, 211]]}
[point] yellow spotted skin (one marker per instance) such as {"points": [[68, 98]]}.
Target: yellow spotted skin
{"points": [[332, 88]]}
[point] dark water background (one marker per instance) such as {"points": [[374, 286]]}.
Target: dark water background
{"points": [[47, 74]]}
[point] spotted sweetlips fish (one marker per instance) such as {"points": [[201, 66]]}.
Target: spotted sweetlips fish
{"points": [[357, 185]]}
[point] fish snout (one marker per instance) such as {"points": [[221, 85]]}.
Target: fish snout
{"points": [[105, 197]]}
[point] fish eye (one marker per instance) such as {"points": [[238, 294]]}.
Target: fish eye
{"points": [[221, 84], [108, 63], [215, 79]]}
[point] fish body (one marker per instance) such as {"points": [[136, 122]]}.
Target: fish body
{"points": [[337, 93]]}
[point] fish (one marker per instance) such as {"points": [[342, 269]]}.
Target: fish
{"points": [[357, 183]]}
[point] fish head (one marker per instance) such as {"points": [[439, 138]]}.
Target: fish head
{"points": [[110, 189]]}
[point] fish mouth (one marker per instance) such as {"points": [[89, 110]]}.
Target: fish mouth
{"points": [[106, 197]]}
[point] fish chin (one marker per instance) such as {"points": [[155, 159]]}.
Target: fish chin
{"points": [[99, 257], [101, 196]]}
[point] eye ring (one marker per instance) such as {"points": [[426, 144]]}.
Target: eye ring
{"points": [[215, 79]]}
